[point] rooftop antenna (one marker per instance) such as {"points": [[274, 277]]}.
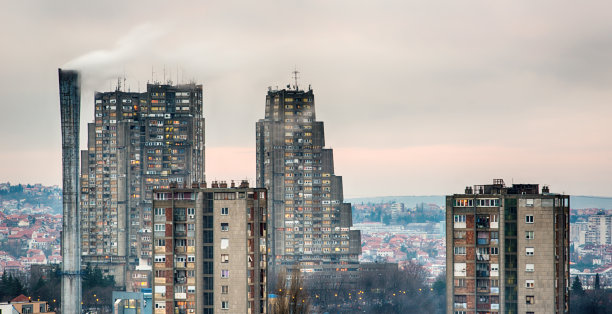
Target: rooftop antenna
{"points": [[118, 84], [295, 78], [152, 75]]}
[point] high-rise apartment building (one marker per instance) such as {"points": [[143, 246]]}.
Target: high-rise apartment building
{"points": [[507, 250], [138, 142], [599, 229], [309, 221], [210, 249]]}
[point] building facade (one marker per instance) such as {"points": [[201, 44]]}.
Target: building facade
{"points": [[507, 250], [599, 229], [210, 252], [309, 221], [138, 142]]}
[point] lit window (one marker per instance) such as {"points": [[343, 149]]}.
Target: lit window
{"points": [[529, 268], [224, 273], [224, 244], [224, 258], [530, 299]]}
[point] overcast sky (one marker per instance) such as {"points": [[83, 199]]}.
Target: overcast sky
{"points": [[418, 97]]}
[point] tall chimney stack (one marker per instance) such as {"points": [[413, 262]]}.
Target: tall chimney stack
{"points": [[70, 107]]}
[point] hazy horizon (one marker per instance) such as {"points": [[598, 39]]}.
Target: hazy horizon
{"points": [[417, 98]]}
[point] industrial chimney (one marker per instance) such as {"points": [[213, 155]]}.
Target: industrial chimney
{"points": [[70, 107]]}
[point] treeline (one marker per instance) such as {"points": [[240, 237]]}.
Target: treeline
{"points": [[45, 284], [386, 291], [590, 301]]}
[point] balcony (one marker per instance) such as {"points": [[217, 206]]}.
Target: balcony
{"points": [[482, 257], [460, 305]]}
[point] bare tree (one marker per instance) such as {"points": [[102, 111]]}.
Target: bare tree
{"points": [[291, 296]]}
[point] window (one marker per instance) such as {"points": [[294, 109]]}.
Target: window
{"points": [[459, 221], [224, 244], [460, 269], [225, 196], [224, 226], [224, 258], [225, 305], [460, 301], [160, 227], [529, 219], [529, 284], [160, 211], [191, 258], [459, 234], [460, 250], [529, 251], [459, 218], [494, 251], [160, 258], [529, 235], [224, 273], [529, 268], [160, 242], [529, 202], [464, 203], [224, 289], [459, 282], [224, 211], [529, 299]]}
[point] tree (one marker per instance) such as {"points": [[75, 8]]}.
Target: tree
{"points": [[291, 297], [577, 286]]}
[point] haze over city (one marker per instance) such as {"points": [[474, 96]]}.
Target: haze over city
{"points": [[417, 98]]}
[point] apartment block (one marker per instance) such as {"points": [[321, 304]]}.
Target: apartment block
{"points": [[210, 249], [507, 250], [138, 142], [599, 230], [309, 220]]}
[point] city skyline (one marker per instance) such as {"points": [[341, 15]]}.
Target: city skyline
{"points": [[535, 80]]}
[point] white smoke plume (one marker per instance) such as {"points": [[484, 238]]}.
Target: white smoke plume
{"points": [[100, 66]]}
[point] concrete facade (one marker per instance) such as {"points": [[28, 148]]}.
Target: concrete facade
{"points": [[507, 250], [138, 142], [224, 229], [70, 108]]}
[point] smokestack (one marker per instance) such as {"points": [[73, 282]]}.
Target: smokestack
{"points": [[70, 107]]}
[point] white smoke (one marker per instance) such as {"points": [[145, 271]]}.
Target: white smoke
{"points": [[99, 66]]}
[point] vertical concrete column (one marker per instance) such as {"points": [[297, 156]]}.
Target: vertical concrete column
{"points": [[199, 250], [70, 107]]}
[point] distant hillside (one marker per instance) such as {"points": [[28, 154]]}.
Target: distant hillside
{"points": [[409, 201], [577, 202]]}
